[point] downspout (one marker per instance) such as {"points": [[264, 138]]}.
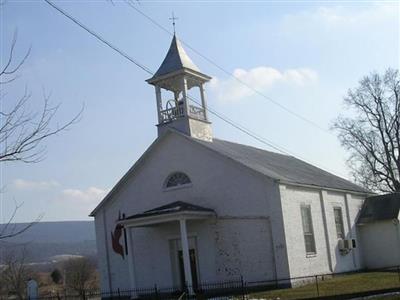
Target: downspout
{"points": [[396, 224], [346, 202], [273, 250], [328, 247], [282, 255]]}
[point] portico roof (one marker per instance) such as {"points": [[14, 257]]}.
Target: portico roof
{"points": [[167, 213]]}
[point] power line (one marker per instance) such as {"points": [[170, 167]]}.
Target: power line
{"points": [[259, 138], [129, 2], [147, 70], [243, 129], [101, 39]]}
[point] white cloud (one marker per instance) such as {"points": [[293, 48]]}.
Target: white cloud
{"points": [[22, 184], [342, 19], [259, 79], [91, 195]]}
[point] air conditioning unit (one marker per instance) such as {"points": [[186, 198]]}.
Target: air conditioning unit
{"points": [[348, 244], [341, 245], [345, 245]]}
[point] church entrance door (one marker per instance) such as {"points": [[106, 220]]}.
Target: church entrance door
{"points": [[193, 267]]}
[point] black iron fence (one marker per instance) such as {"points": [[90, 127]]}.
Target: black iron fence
{"points": [[345, 285]]}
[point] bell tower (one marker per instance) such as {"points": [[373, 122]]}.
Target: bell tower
{"points": [[174, 79]]}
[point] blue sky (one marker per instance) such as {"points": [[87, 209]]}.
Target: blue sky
{"points": [[303, 55]]}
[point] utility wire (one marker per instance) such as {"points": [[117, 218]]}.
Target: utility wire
{"points": [[150, 72], [243, 129], [129, 2], [143, 67], [101, 39]]}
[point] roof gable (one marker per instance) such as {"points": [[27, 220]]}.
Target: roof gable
{"points": [[131, 171]]}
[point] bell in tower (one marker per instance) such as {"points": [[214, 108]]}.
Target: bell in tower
{"points": [[175, 78]]}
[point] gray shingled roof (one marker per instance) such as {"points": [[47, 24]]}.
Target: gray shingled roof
{"points": [[281, 167], [176, 59], [273, 165], [177, 206], [379, 208]]}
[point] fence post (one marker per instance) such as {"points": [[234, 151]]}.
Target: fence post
{"points": [[119, 293], [316, 283], [155, 291], [398, 272], [243, 288]]}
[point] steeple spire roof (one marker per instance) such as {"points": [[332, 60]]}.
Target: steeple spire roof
{"points": [[176, 60]]}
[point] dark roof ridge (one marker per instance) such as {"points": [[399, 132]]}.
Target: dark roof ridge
{"points": [[174, 207], [182, 206], [253, 147]]}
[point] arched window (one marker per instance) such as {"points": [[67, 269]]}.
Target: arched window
{"points": [[177, 179]]}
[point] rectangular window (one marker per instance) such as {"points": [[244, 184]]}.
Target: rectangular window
{"points": [[308, 229], [337, 211]]}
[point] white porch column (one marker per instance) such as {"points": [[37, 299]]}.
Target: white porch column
{"points": [[186, 255], [203, 101], [132, 280], [184, 96], [159, 103]]}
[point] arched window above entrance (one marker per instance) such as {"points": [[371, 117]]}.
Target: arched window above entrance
{"points": [[177, 179]]}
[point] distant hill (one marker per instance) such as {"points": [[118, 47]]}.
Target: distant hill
{"points": [[53, 239]]}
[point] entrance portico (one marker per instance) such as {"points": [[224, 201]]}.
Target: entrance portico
{"points": [[181, 212]]}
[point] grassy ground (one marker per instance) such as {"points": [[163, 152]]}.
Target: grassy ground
{"points": [[343, 284], [392, 297]]}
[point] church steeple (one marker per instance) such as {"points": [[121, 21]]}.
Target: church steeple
{"points": [[177, 75]]}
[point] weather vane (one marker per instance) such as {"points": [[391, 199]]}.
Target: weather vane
{"points": [[173, 20]]}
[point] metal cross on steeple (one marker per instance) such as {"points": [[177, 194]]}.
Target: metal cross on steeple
{"points": [[173, 20]]}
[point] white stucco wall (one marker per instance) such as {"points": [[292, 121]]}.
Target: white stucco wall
{"points": [[153, 259], [236, 193], [225, 250], [257, 234], [327, 258], [299, 263], [380, 244], [243, 247], [350, 261]]}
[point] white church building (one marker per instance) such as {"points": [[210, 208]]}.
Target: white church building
{"points": [[196, 209]]}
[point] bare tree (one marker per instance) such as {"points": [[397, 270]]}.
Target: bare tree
{"points": [[15, 273], [79, 273], [372, 133], [11, 229], [23, 130]]}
